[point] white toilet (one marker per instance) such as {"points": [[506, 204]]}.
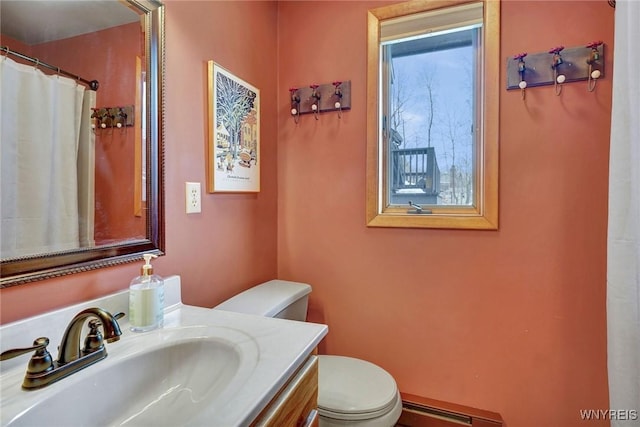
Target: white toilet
{"points": [[351, 391]]}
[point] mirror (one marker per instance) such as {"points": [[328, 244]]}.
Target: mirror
{"points": [[115, 222]]}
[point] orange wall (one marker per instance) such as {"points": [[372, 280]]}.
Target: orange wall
{"points": [[511, 320], [232, 243], [14, 44]]}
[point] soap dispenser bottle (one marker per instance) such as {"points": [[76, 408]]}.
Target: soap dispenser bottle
{"points": [[146, 299]]}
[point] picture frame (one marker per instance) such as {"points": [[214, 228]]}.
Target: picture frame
{"points": [[234, 133]]}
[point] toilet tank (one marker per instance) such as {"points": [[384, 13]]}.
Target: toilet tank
{"points": [[275, 298]]}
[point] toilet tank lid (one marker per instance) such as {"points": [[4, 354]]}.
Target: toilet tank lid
{"points": [[266, 299]]}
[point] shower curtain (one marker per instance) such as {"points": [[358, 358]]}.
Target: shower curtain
{"points": [[39, 136], [623, 250]]}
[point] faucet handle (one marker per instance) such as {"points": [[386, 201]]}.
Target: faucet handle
{"points": [[38, 344], [94, 340], [41, 361]]}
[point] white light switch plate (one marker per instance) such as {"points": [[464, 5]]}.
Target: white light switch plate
{"points": [[193, 197]]}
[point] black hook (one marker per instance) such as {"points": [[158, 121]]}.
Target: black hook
{"points": [[315, 94], [295, 104]]}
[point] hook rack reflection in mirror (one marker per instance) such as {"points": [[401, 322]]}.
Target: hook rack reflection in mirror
{"points": [[109, 117]]}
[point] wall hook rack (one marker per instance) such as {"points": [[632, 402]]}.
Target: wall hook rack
{"points": [[324, 97], [572, 63]]}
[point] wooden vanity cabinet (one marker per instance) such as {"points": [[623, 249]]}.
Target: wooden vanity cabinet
{"points": [[296, 403]]}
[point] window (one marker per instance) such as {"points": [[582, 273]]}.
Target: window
{"points": [[433, 115]]}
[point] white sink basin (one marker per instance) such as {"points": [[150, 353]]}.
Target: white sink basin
{"points": [[181, 373], [205, 368]]}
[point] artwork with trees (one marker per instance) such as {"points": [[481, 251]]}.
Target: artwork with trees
{"points": [[234, 132]]}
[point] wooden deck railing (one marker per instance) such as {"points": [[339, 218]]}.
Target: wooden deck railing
{"points": [[415, 168]]}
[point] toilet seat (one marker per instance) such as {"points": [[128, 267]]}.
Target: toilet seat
{"points": [[353, 389]]}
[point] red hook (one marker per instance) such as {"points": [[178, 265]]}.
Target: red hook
{"points": [[556, 50], [595, 44]]}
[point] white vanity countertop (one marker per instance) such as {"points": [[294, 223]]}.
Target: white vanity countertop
{"points": [[282, 346]]}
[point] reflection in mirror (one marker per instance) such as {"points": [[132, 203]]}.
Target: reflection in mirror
{"points": [[81, 168]]}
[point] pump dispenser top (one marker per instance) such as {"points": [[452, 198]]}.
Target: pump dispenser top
{"points": [[147, 269], [146, 298]]}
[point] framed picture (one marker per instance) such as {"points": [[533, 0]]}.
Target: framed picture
{"points": [[234, 133]]}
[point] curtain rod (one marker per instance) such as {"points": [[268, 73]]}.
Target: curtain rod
{"points": [[93, 84]]}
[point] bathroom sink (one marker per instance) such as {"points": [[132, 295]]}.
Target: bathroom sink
{"points": [[204, 368], [163, 378]]}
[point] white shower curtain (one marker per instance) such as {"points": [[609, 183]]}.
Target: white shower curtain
{"points": [[39, 136], [87, 172], [623, 251]]}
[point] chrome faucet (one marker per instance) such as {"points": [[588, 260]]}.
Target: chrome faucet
{"points": [[43, 370]]}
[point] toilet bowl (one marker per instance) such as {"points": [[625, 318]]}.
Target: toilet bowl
{"points": [[351, 391], [356, 392]]}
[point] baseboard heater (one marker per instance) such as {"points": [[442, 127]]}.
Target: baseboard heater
{"points": [[419, 411]]}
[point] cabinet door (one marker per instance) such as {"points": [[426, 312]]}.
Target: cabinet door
{"points": [[293, 405]]}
